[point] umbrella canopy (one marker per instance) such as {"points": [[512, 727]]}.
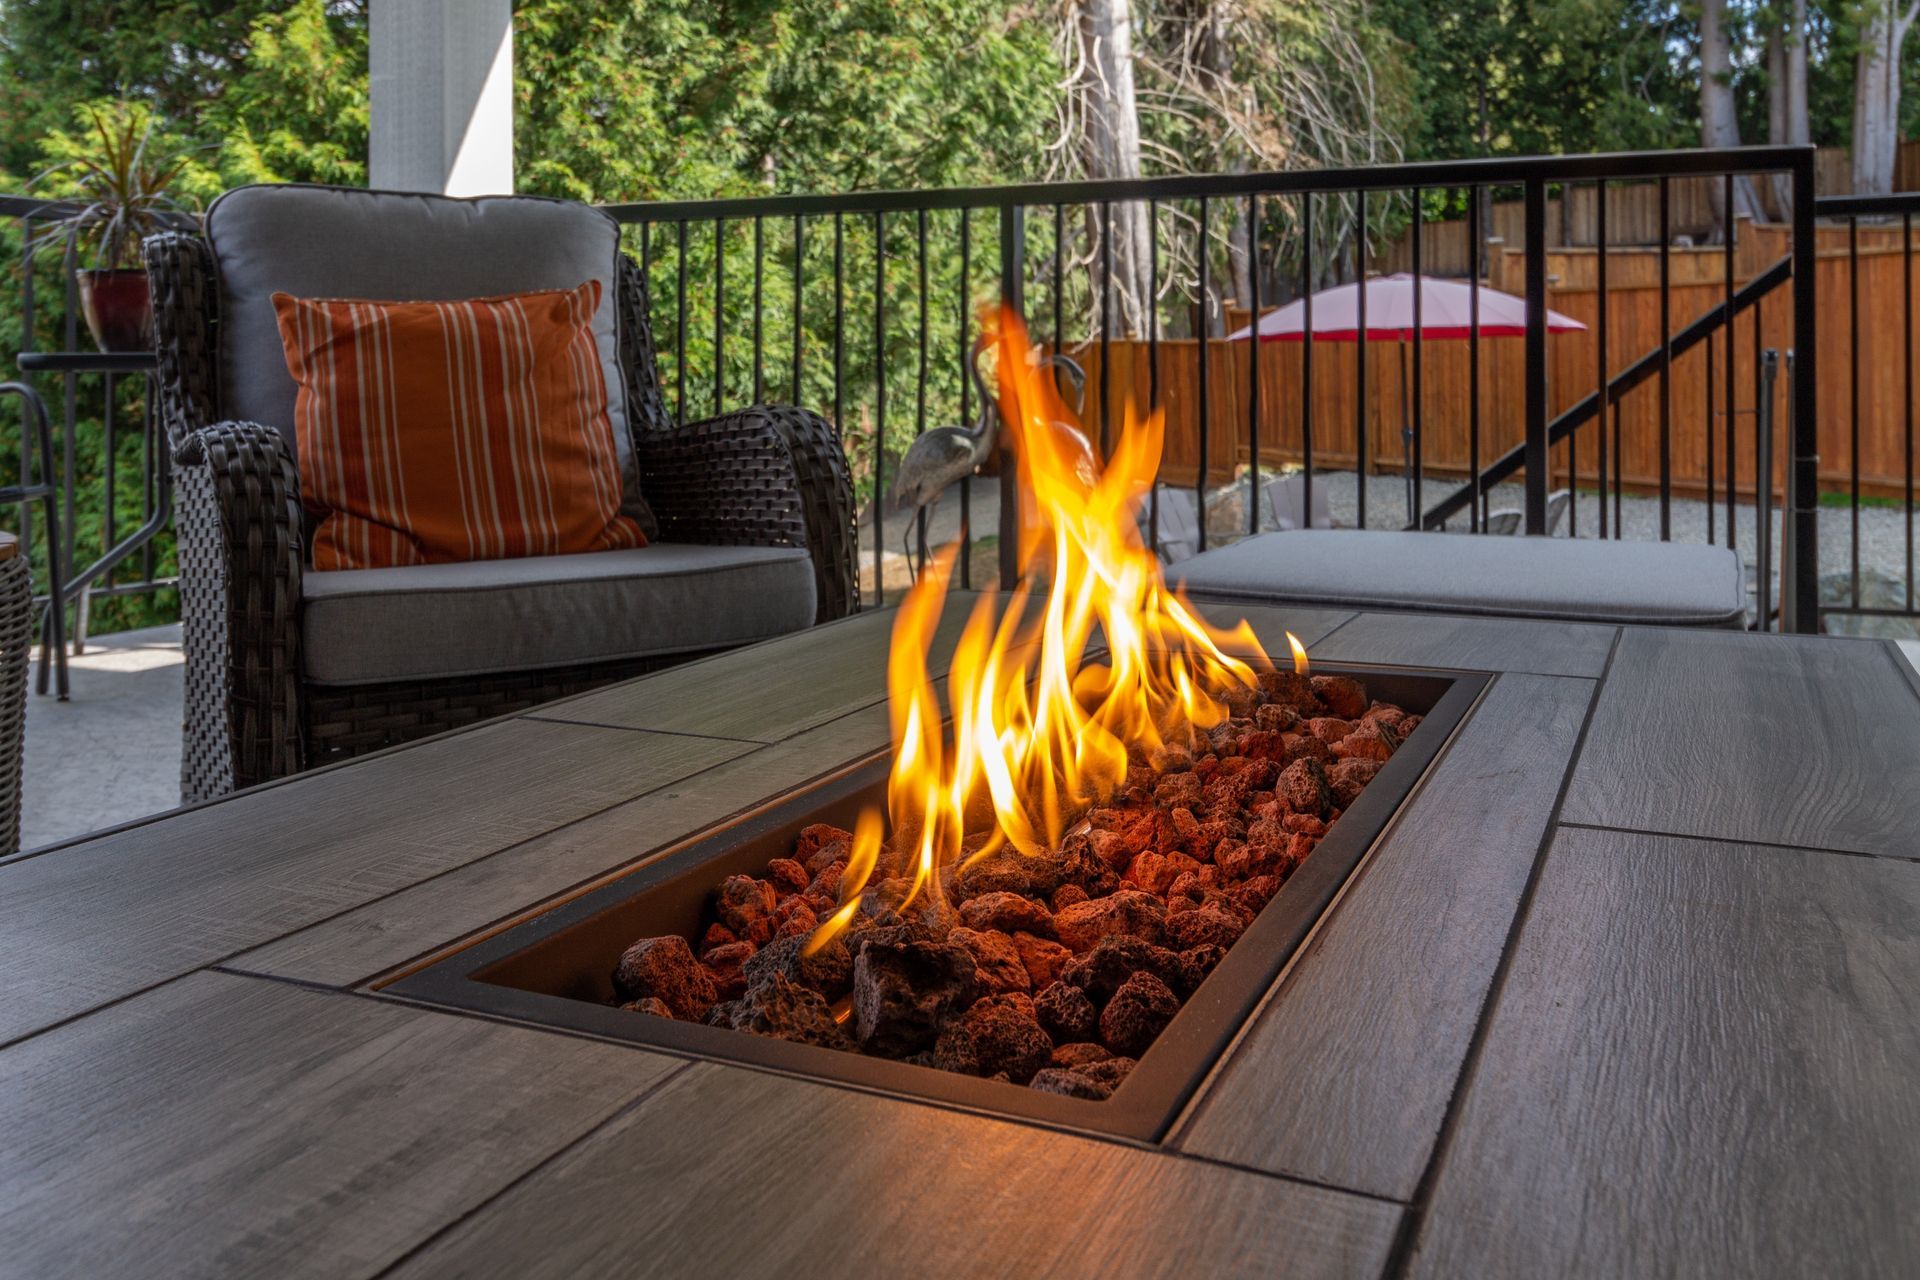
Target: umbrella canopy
{"points": [[1446, 311]]}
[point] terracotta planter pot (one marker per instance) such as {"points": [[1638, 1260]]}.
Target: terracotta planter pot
{"points": [[118, 306]]}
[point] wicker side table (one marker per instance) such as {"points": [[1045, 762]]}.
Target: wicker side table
{"points": [[16, 637]]}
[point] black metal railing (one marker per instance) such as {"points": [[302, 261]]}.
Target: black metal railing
{"points": [[113, 484], [1059, 248], [1876, 448]]}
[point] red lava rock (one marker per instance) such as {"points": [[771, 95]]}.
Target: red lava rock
{"points": [[1254, 894], [1347, 778], [1191, 887], [1139, 1011], [1302, 787], [1179, 790], [1240, 700], [1388, 714], [1294, 692], [1172, 757], [651, 1004], [1273, 718], [1066, 895], [1305, 824], [787, 875], [1304, 746], [1008, 913], [828, 970], [1370, 740], [665, 967], [1111, 848], [905, 989], [1108, 1071], [1342, 695], [1067, 1013], [726, 966], [1042, 957], [779, 1007], [818, 838], [1329, 729], [717, 935], [998, 1035], [1071, 1084], [1155, 872], [745, 906], [1127, 913], [1080, 865], [1197, 962], [825, 886], [996, 960], [1106, 968], [1220, 925], [1079, 1054], [1008, 871]]}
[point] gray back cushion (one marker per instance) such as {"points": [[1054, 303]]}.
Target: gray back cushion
{"points": [[343, 242]]}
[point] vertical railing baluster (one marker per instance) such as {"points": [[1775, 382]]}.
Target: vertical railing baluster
{"points": [[719, 316], [879, 405], [1666, 364], [1361, 459], [1253, 364], [759, 294], [839, 323], [1473, 357], [1106, 324], [1058, 292], [1415, 499], [1732, 388], [1853, 406], [1707, 395], [1013, 296], [1200, 482], [1906, 347], [1153, 358], [920, 389], [1536, 355], [1600, 344], [799, 312], [680, 331], [1306, 359], [1800, 596], [966, 390]]}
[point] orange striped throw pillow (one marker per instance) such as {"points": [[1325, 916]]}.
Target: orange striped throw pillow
{"points": [[431, 432]]}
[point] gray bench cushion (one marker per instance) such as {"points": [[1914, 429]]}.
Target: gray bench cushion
{"points": [[334, 242], [1672, 584], [369, 626]]}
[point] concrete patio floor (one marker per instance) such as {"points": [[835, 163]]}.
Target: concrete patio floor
{"points": [[112, 752]]}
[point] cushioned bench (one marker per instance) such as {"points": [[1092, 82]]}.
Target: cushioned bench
{"points": [[1581, 580]]}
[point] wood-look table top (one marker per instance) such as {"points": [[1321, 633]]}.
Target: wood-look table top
{"points": [[1631, 986]]}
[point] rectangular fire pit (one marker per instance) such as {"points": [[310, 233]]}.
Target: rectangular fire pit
{"points": [[555, 969]]}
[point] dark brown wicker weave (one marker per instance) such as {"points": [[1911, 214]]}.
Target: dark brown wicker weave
{"points": [[16, 636], [764, 476]]}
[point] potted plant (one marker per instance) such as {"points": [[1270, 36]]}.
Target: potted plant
{"points": [[111, 201]]}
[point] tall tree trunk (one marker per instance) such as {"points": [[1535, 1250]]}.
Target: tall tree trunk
{"points": [[1799, 128], [1112, 115], [1719, 119], [1876, 96], [1780, 188]]}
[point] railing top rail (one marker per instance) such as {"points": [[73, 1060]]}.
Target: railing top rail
{"points": [[1865, 206], [1494, 171]]}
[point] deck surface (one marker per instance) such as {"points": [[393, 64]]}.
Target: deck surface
{"points": [[1632, 986]]}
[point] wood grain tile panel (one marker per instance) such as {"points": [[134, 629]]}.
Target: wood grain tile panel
{"points": [[235, 1126], [1472, 644], [1702, 1064], [729, 1172]]}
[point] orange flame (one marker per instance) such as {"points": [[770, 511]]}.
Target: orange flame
{"points": [[1038, 733]]}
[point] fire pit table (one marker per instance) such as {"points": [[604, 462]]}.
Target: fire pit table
{"points": [[1621, 976]]}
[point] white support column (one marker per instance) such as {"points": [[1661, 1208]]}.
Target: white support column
{"points": [[441, 96]]}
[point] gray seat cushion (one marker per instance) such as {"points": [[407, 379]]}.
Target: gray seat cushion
{"points": [[337, 242], [1575, 579], [370, 626]]}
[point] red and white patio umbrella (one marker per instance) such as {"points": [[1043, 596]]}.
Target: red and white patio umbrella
{"points": [[1446, 312]]}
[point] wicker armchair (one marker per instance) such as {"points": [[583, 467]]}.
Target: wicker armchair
{"points": [[767, 476]]}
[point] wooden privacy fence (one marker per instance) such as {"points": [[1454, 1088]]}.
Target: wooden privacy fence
{"points": [[1697, 402]]}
